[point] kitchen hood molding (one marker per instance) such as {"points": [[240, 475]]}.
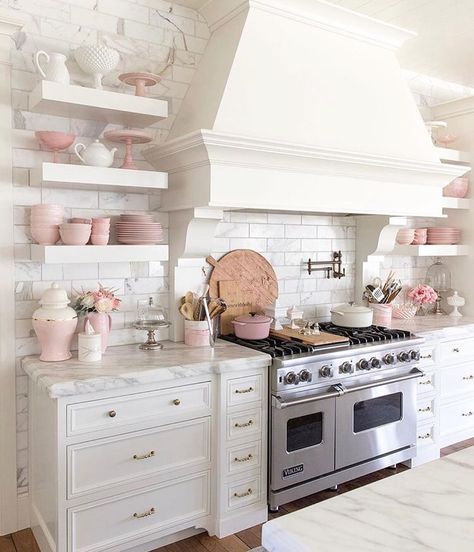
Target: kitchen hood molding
{"points": [[324, 15], [221, 171]]}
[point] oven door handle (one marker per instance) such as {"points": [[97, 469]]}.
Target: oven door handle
{"points": [[414, 373], [336, 393]]}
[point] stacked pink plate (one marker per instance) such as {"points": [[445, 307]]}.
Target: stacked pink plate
{"points": [[138, 230], [443, 236]]}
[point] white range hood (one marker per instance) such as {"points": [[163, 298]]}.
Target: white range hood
{"points": [[299, 105]]}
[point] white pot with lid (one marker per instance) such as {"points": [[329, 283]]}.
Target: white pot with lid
{"points": [[349, 315]]}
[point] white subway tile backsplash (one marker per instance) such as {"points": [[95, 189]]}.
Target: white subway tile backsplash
{"points": [[267, 231], [257, 218], [232, 229], [81, 271], [278, 218], [123, 201], [114, 270], [284, 245], [257, 244], [70, 198], [300, 231]]}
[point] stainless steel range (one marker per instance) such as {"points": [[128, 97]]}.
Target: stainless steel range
{"points": [[337, 413]]}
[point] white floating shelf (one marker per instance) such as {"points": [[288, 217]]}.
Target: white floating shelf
{"points": [[456, 203], [67, 254], [59, 175], [454, 156], [97, 105], [430, 250]]}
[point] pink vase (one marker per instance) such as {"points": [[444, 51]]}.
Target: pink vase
{"points": [[102, 323], [55, 338]]}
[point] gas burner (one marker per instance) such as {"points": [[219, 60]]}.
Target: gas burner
{"points": [[371, 334], [274, 346]]}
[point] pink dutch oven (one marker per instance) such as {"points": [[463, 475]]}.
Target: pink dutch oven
{"points": [[252, 326]]}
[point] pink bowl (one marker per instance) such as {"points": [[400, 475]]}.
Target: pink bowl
{"points": [[76, 226], [457, 188], [47, 207], [45, 235], [100, 226], [79, 234], [405, 236], [101, 221], [98, 239], [80, 221]]}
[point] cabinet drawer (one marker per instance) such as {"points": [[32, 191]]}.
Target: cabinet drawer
{"points": [[153, 407], [427, 383], [243, 493], [425, 435], [106, 463], [425, 409], [108, 524], [243, 424], [244, 390], [452, 351], [243, 457], [457, 416], [457, 380]]}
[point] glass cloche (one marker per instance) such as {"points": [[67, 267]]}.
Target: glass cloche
{"points": [[150, 317], [438, 276]]}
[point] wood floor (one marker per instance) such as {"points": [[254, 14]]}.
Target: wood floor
{"points": [[23, 541]]}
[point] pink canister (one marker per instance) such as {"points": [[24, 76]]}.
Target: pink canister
{"points": [[196, 333], [382, 314], [55, 323]]}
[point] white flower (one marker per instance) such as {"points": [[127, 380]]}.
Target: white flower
{"points": [[104, 305], [87, 301]]}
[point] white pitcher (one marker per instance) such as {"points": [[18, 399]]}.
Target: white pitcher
{"points": [[56, 69]]}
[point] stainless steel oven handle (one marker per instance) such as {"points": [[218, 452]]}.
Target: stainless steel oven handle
{"points": [[415, 373], [336, 393]]}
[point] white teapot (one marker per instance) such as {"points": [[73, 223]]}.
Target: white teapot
{"points": [[96, 154]]}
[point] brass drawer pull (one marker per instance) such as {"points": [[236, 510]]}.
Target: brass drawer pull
{"points": [[112, 413], [456, 350], [466, 414], [427, 409], [246, 424], [245, 459], [425, 436], [144, 456], [427, 382], [242, 391], [426, 356], [242, 495], [176, 402], [150, 512], [470, 377]]}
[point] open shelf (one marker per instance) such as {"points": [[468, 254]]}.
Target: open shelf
{"points": [[456, 203], [59, 175], [67, 254], [454, 156], [430, 250], [97, 105]]}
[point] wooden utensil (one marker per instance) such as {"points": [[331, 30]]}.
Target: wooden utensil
{"points": [[237, 304], [186, 309], [323, 338]]}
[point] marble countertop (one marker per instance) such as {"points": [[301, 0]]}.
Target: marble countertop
{"points": [[426, 508], [127, 365], [441, 326]]}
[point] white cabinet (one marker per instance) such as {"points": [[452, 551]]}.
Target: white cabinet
{"points": [[137, 468]]}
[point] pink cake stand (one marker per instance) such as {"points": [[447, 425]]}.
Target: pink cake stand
{"points": [[140, 81], [128, 137], [54, 141]]}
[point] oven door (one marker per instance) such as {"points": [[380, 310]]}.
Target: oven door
{"points": [[302, 438], [375, 419]]}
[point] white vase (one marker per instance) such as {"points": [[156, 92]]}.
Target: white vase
{"points": [[55, 69], [97, 61]]}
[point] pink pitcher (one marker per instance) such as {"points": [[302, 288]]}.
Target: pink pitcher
{"points": [[102, 323]]}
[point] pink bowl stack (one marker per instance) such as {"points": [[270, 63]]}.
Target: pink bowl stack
{"points": [[443, 236], [405, 236], [139, 230], [421, 236], [100, 231], [45, 221]]}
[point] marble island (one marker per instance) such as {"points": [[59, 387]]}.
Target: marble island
{"points": [[127, 365], [426, 508], [441, 325]]}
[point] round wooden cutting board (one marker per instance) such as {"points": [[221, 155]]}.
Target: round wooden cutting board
{"points": [[255, 283]]}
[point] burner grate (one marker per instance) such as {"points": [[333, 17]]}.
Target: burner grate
{"points": [[273, 346], [372, 334]]}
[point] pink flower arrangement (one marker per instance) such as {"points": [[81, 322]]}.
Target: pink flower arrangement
{"points": [[103, 300], [422, 294]]}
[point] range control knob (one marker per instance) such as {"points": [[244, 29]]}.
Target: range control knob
{"points": [[363, 364], [305, 375], [389, 359], [375, 362], [292, 379], [404, 356], [415, 355], [325, 372], [345, 368]]}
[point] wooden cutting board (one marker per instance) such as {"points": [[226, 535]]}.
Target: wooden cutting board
{"points": [[249, 284], [323, 338]]}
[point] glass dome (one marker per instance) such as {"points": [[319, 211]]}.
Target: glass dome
{"points": [[438, 276]]}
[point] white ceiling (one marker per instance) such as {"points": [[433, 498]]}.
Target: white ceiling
{"points": [[444, 47]]}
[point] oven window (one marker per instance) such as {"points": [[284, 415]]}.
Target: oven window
{"points": [[304, 431], [377, 412]]}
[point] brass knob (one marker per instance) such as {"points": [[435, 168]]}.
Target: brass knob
{"points": [[112, 413], [176, 402]]}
